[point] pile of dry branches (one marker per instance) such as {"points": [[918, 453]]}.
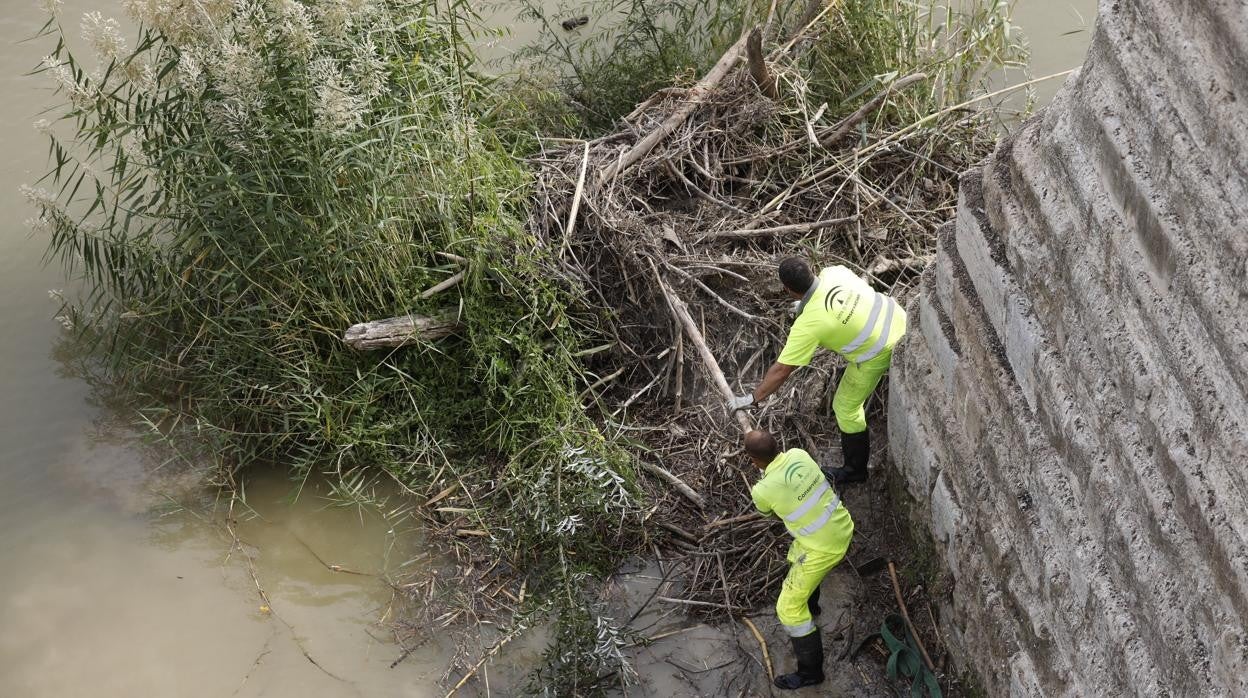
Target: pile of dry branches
{"points": [[676, 224]]}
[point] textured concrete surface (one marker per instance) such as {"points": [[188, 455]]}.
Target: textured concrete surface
{"points": [[1070, 413]]}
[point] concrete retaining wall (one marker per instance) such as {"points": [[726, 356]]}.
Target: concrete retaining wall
{"points": [[1070, 408]]}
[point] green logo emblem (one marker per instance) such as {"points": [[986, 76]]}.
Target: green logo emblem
{"points": [[789, 472]]}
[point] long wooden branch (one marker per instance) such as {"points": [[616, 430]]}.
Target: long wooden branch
{"points": [[678, 484], [850, 122], [447, 283], [693, 98], [778, 230], [576, 203], [681, 311], [905, 615]]}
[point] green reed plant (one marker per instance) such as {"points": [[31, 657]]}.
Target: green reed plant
{"points": [[251, 177], [868, 43]]}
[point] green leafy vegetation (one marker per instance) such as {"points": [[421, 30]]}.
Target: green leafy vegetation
{"points": [[253, 178]]}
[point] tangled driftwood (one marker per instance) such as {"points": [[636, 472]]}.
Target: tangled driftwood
{"points": [[687, 209]]}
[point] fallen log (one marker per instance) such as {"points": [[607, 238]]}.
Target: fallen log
{"points": [[696, 95], [678, 484], [399, 331]]}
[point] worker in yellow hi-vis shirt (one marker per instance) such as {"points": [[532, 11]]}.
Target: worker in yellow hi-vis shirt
{"points": [[795, 489], [841, 312]]}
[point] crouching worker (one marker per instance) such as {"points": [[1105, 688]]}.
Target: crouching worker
{"points": [[842, 313], [795, 489]]}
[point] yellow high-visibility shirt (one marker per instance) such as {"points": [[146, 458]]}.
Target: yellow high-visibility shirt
{"points": [[842, 313], [799, 493]]}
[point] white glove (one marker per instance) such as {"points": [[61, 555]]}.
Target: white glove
{"points": [[794, 308], [741, 402]]}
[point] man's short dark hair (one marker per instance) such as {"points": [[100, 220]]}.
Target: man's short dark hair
{"points": [[761, 445], [795, 274]]}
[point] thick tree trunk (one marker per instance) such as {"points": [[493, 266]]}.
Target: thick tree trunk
{"points": [[758, 64]]}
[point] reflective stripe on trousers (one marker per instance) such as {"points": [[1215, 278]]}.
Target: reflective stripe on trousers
{"points": [[801, 629]]}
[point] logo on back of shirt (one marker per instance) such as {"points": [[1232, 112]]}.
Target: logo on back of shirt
{"points": [[841, 302], [832, 297], [794, 469]]}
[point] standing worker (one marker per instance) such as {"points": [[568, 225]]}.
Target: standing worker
{"points": [[841, 312], [795, 489]]}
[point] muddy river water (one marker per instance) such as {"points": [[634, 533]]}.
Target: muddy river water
{"points": [[110, 588]]}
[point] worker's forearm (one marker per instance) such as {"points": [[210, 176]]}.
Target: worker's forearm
{"points": [[776, 376]]}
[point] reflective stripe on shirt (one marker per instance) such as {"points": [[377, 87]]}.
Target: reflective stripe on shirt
{"points": [[878, 347], [823, 519], [867, 328], [809, 504]]}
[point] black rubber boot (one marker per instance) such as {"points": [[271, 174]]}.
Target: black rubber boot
{"points": [[857, 451], [809, 651], [813, 603]]}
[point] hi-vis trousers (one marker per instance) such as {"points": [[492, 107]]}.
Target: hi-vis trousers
{"points": [[856, 386], [807, 569]]}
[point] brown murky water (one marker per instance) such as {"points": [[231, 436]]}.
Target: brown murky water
{"points": [[109, 588], [1058, 32]]}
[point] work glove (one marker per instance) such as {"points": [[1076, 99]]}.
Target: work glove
{"points": [[741, 402], [794, 308]]}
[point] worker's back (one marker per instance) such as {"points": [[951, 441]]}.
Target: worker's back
{"points": [[842, 313], [796, 489]]}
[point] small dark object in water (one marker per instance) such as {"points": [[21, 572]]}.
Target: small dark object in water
{"points": [[570, 24]]}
